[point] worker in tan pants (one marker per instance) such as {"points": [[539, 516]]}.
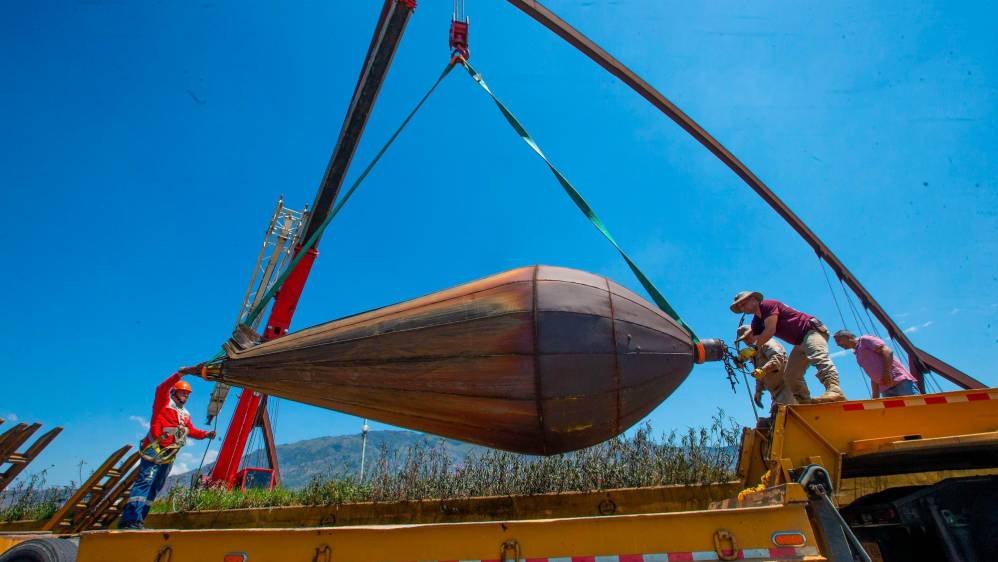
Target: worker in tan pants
{"points": [[807, 334], [770, 362]]}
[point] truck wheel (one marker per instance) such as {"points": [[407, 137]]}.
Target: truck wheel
{"points": [[41, 550]]}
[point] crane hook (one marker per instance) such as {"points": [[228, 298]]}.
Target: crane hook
{"points": [[459, 31]]}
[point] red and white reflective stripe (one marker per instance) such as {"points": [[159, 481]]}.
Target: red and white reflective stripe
{"points": [[920, 400], [743, 554]]}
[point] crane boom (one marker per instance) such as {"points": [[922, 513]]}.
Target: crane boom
{"points": [[250, 410], [920, 362]]}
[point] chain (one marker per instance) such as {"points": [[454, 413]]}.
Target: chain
{"points": [[730, 370], [731, 362]]}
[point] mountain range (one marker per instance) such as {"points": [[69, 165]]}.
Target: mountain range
{"points": [[339, 455]]}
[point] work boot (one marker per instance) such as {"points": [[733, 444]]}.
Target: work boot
{"points": [[832, 391]]}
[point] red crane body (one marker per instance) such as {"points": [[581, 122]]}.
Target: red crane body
{"points": [[250, 409], [247, 410]]}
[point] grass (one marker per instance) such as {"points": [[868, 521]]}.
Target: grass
{"points": [[425, 471], [30, 499]]}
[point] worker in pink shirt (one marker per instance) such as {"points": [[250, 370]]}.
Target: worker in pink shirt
{"points": [[887, 374]]}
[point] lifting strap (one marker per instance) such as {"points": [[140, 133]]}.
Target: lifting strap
{"points": [[581, 203], [310, 243]]}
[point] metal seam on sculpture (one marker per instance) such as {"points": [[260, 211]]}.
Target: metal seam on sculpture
{"points": [[616, 352], [538, 394]]}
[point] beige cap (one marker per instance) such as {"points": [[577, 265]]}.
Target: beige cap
{"points": [[742, 296]]}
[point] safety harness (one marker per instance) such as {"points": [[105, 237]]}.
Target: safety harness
{"points": [[157, 453]]}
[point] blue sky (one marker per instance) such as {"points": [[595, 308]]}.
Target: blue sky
{"points": [[145, 145]]}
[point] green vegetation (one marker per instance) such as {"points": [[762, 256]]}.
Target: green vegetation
{"points": [[31, 499], [426, 470], [429, 468]]}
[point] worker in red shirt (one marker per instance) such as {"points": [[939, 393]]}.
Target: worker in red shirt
{"points": [[772, 318], [169, 428]]}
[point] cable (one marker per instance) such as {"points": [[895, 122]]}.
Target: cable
{"points": [[255, 312], [831, 290], [579, 201], [824, 270], [852, 305], [197, 473], [872, 324], [251, 317]]}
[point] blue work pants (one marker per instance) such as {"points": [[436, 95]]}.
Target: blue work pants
{"points": [[903, 388], [147, 486]]}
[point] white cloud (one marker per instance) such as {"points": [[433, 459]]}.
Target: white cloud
{"points": [[955, 311], [183, 464], [913, 329], [11, 417], [187, 462], [140, 420], [839, 353]]}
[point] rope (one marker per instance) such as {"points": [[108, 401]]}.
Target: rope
{"points": [[835, 299], [197, 473], [872, 323], [580, 202], [930, 376], [310, 243], [855, 317], [852, 305]]}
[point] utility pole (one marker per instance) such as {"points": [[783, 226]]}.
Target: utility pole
{"points": [[363, 448]]}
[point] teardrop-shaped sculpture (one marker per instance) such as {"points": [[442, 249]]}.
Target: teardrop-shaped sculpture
{"points": [[538, 360]]}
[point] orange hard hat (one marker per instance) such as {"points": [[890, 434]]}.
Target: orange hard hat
{"points": [[181, 385]]}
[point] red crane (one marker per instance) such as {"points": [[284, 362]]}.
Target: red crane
{"points": [[251, 410]]}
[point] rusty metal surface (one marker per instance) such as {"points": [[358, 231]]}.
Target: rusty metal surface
{"points": [[19, 461], [88, 495], [537, 360], [15, 437], [920, 361], [102, 512]]}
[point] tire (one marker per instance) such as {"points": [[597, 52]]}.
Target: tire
{"points": [[41, 550]]}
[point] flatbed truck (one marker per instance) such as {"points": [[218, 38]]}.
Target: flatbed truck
{"points": [[928, 465]]}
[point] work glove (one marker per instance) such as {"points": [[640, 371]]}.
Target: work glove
{"points": [[211, 434], [746, 353], [758, 399], [758, 374]]}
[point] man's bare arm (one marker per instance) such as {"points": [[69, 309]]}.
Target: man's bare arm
{"points": [[767, 332], [888, 357]]}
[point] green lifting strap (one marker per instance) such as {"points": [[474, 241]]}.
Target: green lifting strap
{"points": [[581, 203], [310, 243]]}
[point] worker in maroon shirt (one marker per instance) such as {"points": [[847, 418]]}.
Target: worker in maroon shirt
{"points": [[806, 333], [169, 428]]}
